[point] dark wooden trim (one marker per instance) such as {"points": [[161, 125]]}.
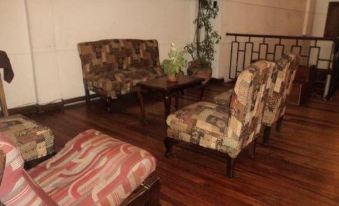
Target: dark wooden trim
{"points": [[79, 99], [35, 108], [148, 193], [282, 36], [51, 107], [217, 80], [24, 110]]}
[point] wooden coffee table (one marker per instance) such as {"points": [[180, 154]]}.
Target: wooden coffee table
{"points": [[168, 89]]}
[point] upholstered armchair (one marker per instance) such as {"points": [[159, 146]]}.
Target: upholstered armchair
{"points": [[277, 97], [227, 129], [282, 78], [92, 169]]}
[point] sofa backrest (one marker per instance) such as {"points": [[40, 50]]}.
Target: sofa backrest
{"points": [[117, 54], [248, 101]]}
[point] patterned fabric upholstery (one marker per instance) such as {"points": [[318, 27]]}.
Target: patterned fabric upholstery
{"points": [[224, 98], [226, 130], [281, 83], [17, 187], [114, 67], [282, 79], [92, 169], [33, 140]]}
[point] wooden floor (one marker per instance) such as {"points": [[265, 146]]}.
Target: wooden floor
{"points": [[299, 167]]}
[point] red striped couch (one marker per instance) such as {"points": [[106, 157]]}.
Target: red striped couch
{"points": [[92, 169]]}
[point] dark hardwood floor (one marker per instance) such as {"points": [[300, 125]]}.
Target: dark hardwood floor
{"points": [[299, 167]]}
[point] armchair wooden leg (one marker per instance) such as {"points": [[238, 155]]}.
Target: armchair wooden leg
{"points": [[252, 147], [279, 124], [266, 136], [87, 95], [169, 143], [230, 167], [108, 104]]}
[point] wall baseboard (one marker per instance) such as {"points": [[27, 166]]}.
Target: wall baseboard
{"points": [[217, 80], [36, 108]]}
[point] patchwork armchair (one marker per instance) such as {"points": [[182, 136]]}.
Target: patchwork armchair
{"points": [[227, 129], [114, 67], [92, 169], [282, 78], [286, 68]]}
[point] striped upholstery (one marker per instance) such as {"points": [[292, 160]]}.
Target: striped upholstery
{"points": [[233, 127], [92, 169], [17, 187]]}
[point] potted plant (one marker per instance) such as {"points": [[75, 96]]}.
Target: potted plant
{"points": [[173, 65], [202, 49]]}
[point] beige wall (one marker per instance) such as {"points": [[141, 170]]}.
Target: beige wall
{"points": [[14, 39], [56, 26], [278, 17], [42, 44]]}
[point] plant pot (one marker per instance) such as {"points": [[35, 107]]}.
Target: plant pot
{"points": [[172, 78]]}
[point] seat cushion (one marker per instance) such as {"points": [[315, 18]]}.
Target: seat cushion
{"points": [[202, 123], [93, 169], [224, 99], [113, 83]]}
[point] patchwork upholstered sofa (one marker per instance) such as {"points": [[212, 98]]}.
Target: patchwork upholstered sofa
{"points": [[92, 169], [113, 67]]}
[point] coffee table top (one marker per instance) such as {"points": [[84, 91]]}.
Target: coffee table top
{"points": [[161, 83]]}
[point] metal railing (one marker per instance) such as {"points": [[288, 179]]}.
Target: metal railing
{"points": [[246, 48]]}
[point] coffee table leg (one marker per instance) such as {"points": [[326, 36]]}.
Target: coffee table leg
{"points": [[177, 101], [202, 91], [167, 103], [142, 106]]}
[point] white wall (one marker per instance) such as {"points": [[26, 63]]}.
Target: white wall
{"points": [[41, 39], [277, 17], [14, 39], [56, 26]]}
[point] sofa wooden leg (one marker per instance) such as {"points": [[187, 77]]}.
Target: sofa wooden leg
{"points": [[87, 95], [252, 147], [266, 136], [279, 124], [108, 104], [230, 167], [169, 143]]}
